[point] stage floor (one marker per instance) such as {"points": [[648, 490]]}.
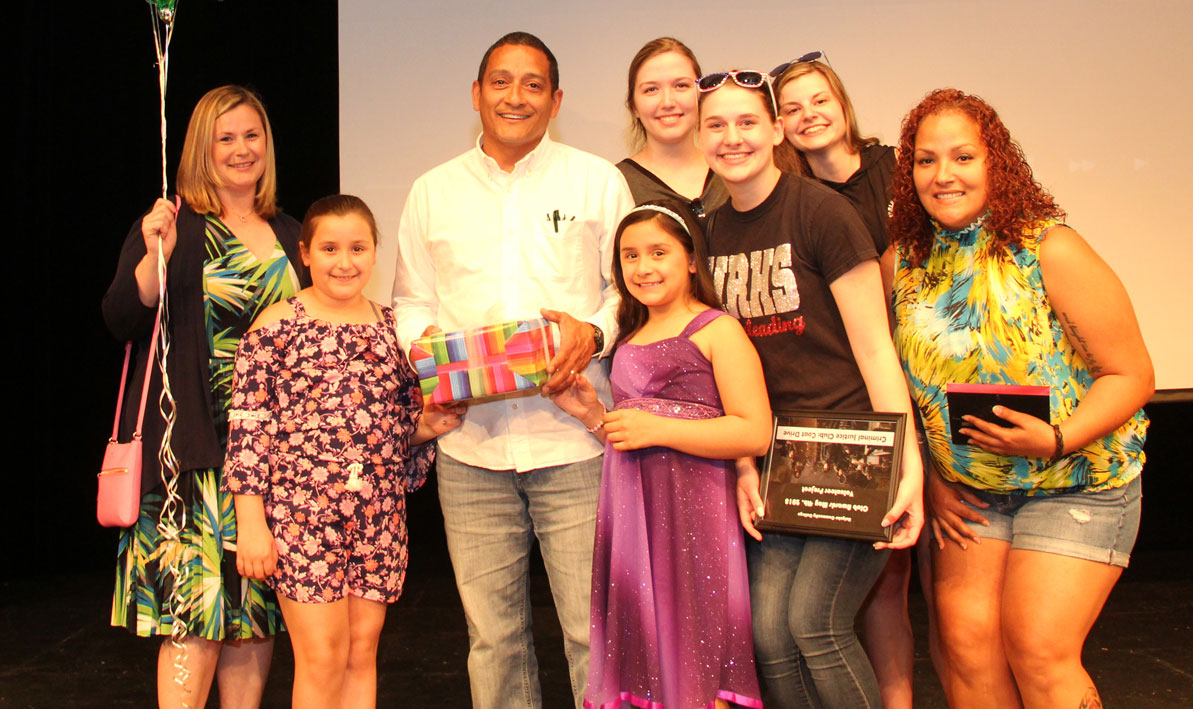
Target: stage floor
{"points": [[56, 649]]}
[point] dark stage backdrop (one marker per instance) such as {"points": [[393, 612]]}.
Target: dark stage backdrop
{"points": [[87, 165]]}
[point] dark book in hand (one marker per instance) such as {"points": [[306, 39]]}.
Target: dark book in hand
{"points": [[979, 399]]}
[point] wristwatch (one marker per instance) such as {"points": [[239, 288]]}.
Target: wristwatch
{"points": [[598, 338]]}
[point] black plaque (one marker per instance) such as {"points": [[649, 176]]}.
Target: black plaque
{"points": [[832, 473]]}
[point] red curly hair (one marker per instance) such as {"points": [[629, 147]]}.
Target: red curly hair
{"points": [[1014, 198]]}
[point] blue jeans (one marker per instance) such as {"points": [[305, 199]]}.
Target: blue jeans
{"points": [[492, 517], [805, 593]]}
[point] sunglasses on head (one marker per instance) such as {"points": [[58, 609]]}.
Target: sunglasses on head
{"points": [[816, 56], [746, 79]]}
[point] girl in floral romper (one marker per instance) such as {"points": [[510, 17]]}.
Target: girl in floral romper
{"points": [[324, 427]]}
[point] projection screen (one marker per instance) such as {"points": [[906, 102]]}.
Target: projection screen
{"points": [[1097, 93]]}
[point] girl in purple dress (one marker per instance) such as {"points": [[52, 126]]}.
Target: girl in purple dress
{"points": [[670, 599], [323, 424]]}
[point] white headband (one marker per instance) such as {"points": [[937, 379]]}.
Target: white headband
{"points": [[662, 210]]}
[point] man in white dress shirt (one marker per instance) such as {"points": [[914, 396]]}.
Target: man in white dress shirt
{"points": [[517, 226]]}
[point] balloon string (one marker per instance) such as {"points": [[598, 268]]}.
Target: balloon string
{"points": [[173, 516], [161, 46]]}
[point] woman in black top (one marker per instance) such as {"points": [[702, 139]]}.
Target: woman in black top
{"points": [[662, 104], [823, 139]]}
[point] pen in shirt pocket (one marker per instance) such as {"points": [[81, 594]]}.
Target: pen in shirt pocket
{"points": [[556, 216]]}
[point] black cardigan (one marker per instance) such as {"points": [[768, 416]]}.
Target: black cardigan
{"points": [[195, 438]]}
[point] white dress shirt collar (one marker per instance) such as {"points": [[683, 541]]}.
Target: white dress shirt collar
{"points": [[529, 161]]}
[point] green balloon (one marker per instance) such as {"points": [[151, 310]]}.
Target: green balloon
{"points": [[165, 9]]}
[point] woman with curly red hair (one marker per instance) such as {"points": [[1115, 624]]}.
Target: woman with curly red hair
{"points": [[1034, 520]]}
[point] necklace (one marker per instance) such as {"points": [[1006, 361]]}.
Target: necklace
{"points": [[243, 219]]}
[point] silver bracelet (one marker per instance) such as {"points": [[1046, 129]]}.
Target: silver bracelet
{"points": [[601, 423]]}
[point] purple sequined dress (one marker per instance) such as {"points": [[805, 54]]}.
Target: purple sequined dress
{"points": [[670, 598]]}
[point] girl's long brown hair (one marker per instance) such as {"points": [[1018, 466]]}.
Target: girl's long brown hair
{"points": [[631, 314]]}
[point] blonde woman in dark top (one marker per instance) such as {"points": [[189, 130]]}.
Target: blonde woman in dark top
{"points": [[823, 140], [662, 102], [230, 252]]}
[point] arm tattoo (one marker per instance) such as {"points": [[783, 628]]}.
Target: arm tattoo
{"points": [[1095, 368], [1091, 700]]}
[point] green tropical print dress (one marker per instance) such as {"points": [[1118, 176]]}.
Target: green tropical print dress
{"points": [[208, 595]]}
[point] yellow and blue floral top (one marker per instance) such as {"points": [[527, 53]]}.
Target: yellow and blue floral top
{"points": [[976, 312]]}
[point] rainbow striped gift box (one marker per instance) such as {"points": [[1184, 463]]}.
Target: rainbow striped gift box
{"points": [[483, 361]]}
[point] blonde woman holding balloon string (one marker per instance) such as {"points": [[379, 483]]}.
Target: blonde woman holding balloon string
{"points": [[230, 253]]}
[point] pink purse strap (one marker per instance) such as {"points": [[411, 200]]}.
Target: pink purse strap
{"points": [[128, 348]]}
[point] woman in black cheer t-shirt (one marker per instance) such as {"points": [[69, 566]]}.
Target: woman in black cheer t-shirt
{"points": [[792, 260]]}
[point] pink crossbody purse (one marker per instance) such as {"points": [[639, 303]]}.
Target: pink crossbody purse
{"points": [[119, 500]]}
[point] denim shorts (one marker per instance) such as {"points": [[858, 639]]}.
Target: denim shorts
{"points": [[1096, 526]]}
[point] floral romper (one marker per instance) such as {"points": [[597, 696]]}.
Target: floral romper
{"points": [[320, 424]]}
